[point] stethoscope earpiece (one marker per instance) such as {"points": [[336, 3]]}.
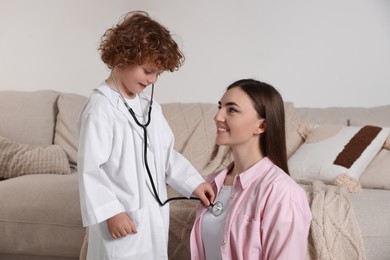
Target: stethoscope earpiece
{"points": [[217, 208]]}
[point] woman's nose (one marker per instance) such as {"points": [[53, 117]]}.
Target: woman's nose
{"points": [[219, 117]]}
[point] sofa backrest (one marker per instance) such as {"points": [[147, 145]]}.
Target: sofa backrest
{"points": [[355, 116], [28, 117]]}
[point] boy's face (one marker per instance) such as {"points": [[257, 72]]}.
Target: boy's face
{"points": [[133, 79]]}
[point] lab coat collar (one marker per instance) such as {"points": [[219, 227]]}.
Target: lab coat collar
{"points": [[114, 98]]}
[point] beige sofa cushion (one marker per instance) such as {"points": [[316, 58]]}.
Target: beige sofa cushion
{"points": [[373, 213], [69, 109], [377, 173], [40, 215], [30, 116]]}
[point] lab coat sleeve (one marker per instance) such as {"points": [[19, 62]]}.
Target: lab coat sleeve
{"points": [[180, 173], [285, 226], [97, 199]]}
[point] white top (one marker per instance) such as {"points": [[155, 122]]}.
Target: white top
{"points": [[212, 226], [142, 117], [135, 104]]}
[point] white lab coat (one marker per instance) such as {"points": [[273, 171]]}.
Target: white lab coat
{"points": [[113, 179]]}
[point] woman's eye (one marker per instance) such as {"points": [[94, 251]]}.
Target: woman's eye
{"points": [[232, 110]]}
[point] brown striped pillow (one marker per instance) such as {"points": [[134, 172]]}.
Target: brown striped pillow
{"points": [[333, 150]]}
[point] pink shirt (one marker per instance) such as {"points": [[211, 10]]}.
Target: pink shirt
{"points": [[269, 216]]}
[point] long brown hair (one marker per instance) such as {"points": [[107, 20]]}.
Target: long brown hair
{"points": [[269, 105]]}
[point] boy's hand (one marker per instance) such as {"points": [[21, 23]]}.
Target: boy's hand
{"points": [[120, 225], [205, 193]]}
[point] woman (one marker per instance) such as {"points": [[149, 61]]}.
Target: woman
{"points": [[265, 214]]}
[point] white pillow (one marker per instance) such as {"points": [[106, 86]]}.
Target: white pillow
{"points": [[316, 158]]}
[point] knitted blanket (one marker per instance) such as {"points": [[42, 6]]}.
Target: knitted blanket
{"points": [[334, 232]]}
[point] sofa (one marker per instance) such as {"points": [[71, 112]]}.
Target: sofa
{"points": [[40, 210]]}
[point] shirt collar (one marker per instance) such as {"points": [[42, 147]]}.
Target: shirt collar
{"points": [[258, 170], [246, 178]]}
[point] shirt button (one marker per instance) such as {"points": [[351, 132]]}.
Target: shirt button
{"points": [[223, 243]]}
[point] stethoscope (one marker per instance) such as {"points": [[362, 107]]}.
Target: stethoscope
{"points": [[216, 208]]}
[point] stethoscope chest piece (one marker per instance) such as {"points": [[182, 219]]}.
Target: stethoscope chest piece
{"points": [[217, 208]]}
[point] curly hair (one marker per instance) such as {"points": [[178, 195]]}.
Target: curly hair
{"points": [[138, 40]]}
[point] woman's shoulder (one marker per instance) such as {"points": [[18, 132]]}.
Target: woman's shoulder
{"points": [[282, 182]]}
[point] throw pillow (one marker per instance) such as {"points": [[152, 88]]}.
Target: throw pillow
{"points": [[293, 121], [21, 159], [334, 150]]}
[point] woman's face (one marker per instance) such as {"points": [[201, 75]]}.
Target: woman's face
{"points": [[135, 78], [237, 120]]}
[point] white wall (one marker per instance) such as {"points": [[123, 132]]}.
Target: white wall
{"points": [[317, 53]]}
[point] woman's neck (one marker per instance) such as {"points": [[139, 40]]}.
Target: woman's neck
{"points": [[243, 160]]}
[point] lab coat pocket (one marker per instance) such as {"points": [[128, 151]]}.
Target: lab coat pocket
{"points": [[134, 243]]}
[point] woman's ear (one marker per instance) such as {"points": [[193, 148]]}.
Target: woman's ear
{"points": [[261, 128]]}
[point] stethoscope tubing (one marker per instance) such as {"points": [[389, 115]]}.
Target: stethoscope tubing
{"points": [[145, 144]]}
